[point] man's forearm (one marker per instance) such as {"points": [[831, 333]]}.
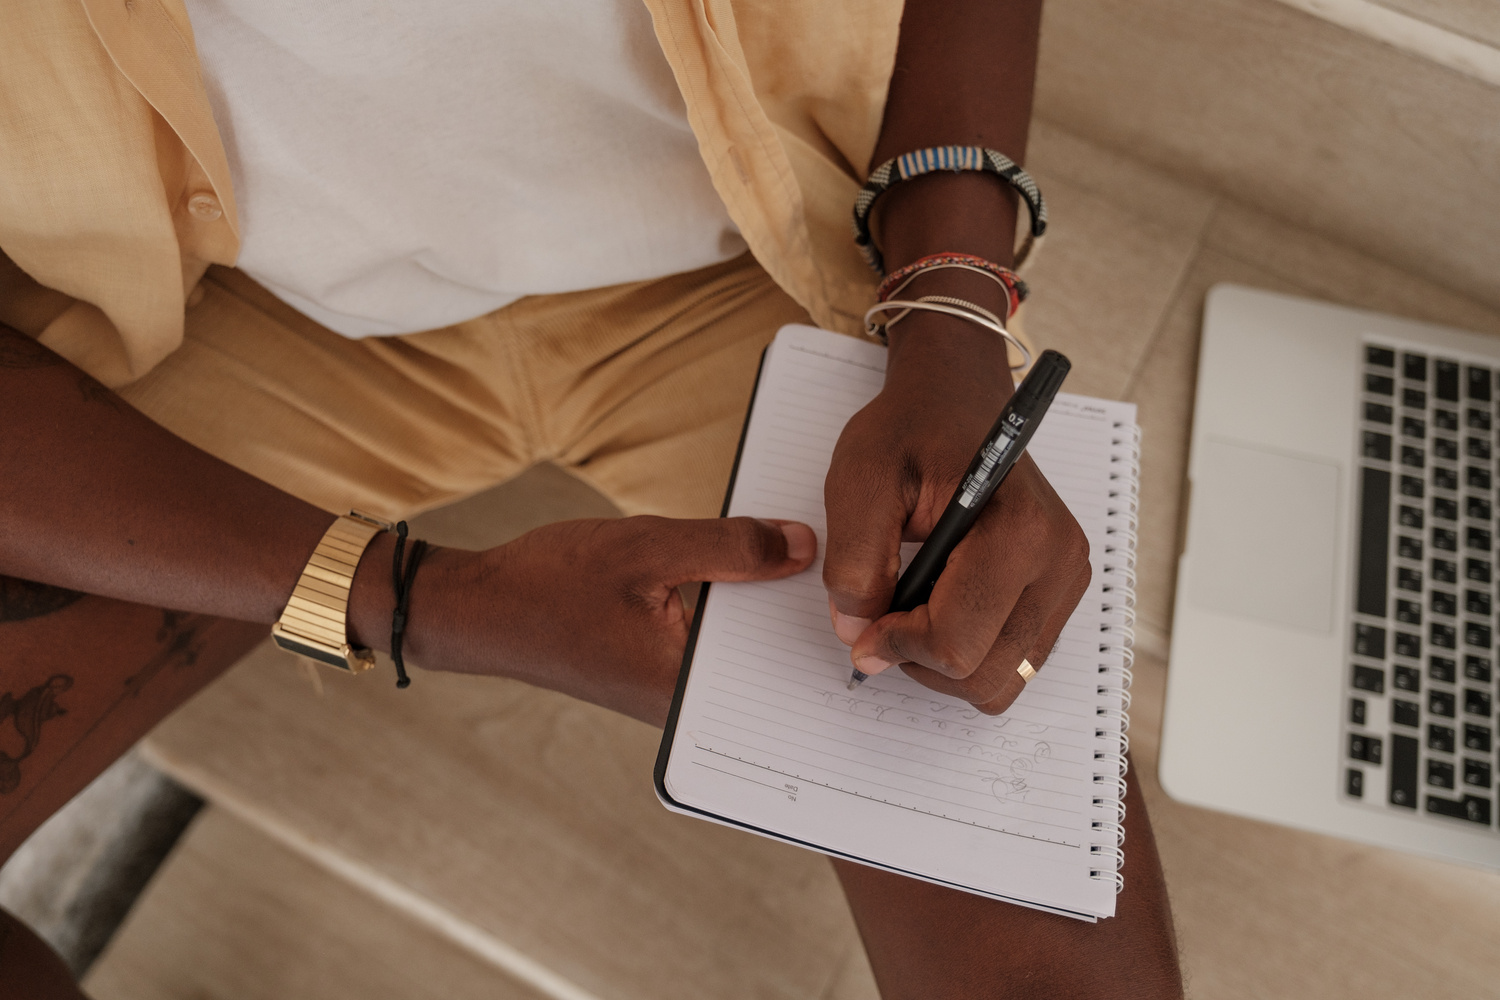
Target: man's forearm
{"points": [[964, 74], [97, 498]]}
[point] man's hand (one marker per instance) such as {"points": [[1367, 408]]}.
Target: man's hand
{"points": [[1010, 585], [589, 608]]}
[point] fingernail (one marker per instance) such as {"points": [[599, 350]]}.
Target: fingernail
{"points": [[873, 665], [848, 628], [801, 543]]}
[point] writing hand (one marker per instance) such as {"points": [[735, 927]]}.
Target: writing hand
{"points": [[589, 608], [1009, 587]]}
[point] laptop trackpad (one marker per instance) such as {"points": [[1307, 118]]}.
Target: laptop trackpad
{"points": [[1264, 527]]}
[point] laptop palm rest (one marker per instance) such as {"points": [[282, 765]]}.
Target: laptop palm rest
{"points": [[1265, 538]]}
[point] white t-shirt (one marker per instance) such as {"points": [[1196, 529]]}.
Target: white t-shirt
{"points": [[405, 166]]}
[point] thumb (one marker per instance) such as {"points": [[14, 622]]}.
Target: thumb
{"points": [[737, 548]]}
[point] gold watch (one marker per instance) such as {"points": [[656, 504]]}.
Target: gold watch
{"points": [[315, 623]]}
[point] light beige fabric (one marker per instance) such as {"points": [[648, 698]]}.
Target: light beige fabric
{"points": [[115, 191], [640, 390]]}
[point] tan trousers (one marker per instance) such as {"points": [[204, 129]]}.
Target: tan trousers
{"points": [[639, 390]]}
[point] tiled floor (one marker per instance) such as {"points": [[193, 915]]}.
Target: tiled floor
{"points": [[531, 820]]}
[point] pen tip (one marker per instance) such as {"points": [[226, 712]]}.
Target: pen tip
{"points": [[858, 678]]}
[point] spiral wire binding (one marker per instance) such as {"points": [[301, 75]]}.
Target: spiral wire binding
{"points": [[1117, 653]]}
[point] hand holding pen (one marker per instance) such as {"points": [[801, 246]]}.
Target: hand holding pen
{"points": [[952, 645]]}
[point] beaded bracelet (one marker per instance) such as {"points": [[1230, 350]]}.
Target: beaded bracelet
{"points": [[955, 158], [1015, 289]]}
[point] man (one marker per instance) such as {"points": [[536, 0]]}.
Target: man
{"points": [[473, 236]]}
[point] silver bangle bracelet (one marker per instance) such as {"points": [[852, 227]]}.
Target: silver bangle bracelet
{"points": [[949, 307]]}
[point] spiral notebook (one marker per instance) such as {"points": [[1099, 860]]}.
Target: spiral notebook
{"points": [[765, 736]]}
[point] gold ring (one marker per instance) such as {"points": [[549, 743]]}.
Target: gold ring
{"points": [[1026, 670]]}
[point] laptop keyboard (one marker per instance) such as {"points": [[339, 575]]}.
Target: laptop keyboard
{"points": [[1419, 713]]}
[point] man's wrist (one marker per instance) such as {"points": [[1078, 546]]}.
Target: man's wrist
{"points": [[945, 212], [938, 357]]}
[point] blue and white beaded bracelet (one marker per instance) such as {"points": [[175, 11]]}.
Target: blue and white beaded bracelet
{"points": [[955, 158]]}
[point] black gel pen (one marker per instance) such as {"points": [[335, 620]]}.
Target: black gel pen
{"points": [[1002, 447]]}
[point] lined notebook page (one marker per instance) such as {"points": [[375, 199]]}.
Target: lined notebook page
{"points": [[769, 736]]}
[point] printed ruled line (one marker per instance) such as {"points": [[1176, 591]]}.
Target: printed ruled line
{"points": [[935, 798], [899, 805]]}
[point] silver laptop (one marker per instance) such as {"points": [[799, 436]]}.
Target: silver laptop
{"points": [[1333, 659]]}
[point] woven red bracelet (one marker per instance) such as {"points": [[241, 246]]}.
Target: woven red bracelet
{"points": [[1015, 289]]}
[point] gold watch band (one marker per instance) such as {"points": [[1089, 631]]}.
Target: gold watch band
{"points": [[315, 623]]}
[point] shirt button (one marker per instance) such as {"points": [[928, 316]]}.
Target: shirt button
{"points": [[205, 206]]}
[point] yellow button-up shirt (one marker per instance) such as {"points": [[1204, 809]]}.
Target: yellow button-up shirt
{"points": [[115, 194]]}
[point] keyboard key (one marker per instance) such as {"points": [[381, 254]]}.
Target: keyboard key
{"points": [[1357, 711], [1477, 702], [1477, 668], [1479, 538], [1369, 640], [1406, 713], [1439, 773], [1441, 703], [1409, 579], [1444, 571], [1477, 773], [1409, 517], [1477, 602], [1479, 384], [1354, 782], [1366, 748], [1370, 679], [1446, 380], [1477, 478], [1380, 357], [1380, 385], [1442, 636], [1478, 508], [1471, 808], [1445, 509], [1408, 548], [1411, 427], [1445, 539], [1477, 570], [1477, 419], [1413, 366], [1411, 486], [1445, 479], [1377, 446], [1445, 419], [1476, 737], [1477, 810], [1403, 769], [1416, 399], [1406, 678], [1379, 413], [1413, 456], [1408, 613], [1443, 448], [1477, 448], [1478, 635], [1440, 668], [1443, 603], [1408, 645], [1440, 738], [1374, 544]]}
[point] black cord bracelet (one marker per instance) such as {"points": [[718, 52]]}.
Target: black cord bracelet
{"points": [[401, 578]]}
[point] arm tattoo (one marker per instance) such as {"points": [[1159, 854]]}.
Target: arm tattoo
{"points": [[21, 599], [26, 715], [19, 351], [182, 636]]}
